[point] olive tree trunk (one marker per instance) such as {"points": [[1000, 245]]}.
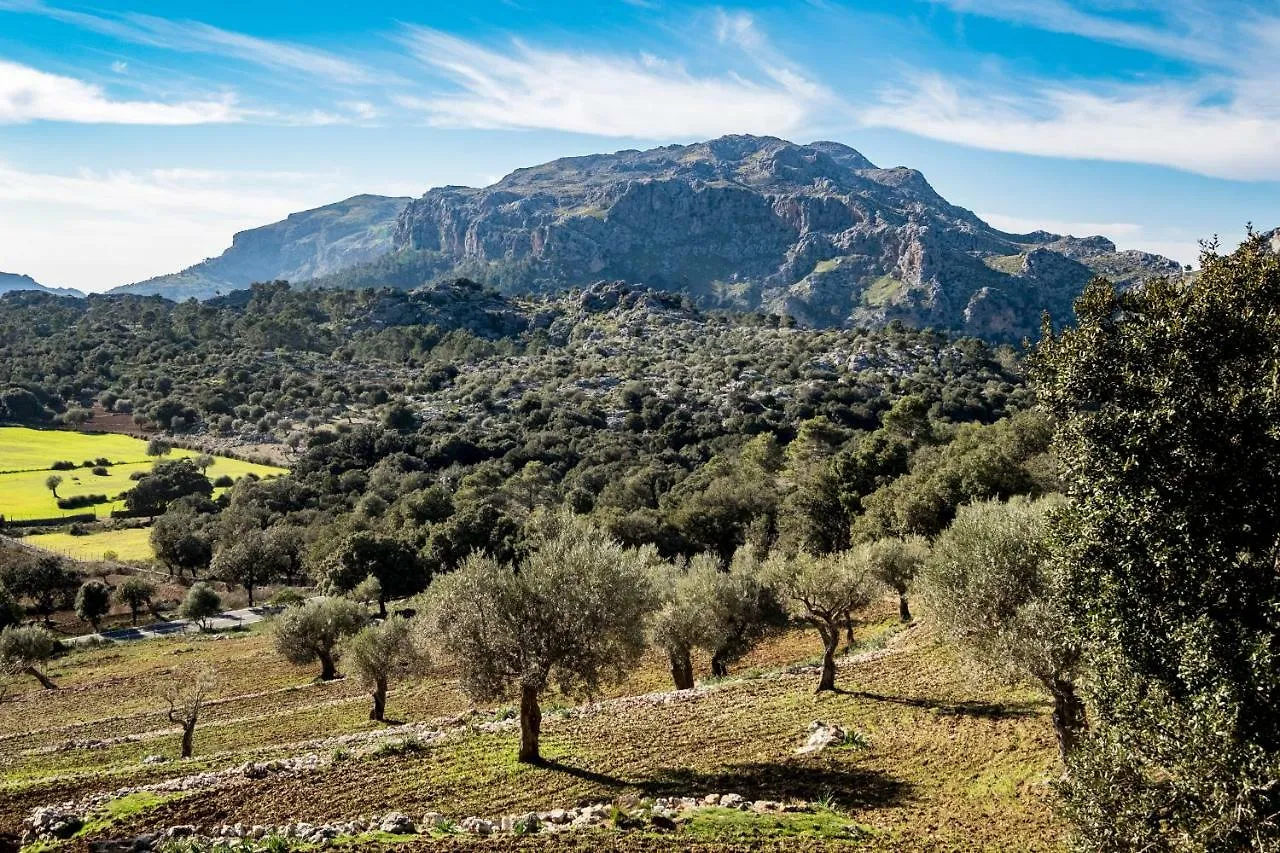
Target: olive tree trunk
{"points": [[39, 676], [904, 609], [188, 735], [1068, 716], [830, 640], [719, 667], [379, 700], [328, 671], [681, 668], [530, 725]]}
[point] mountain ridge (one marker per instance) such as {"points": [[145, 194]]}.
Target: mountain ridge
{"points": [[818, 232], [11, 282]]}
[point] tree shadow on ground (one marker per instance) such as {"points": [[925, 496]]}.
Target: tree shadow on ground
{"points": [[992, 710], [846, 788]]}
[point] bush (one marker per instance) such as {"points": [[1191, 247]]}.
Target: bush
{"points": [[137, 475], [63, 465], [286, 598], [201, 604], [224, 481], [100, 471], [81, 501]]}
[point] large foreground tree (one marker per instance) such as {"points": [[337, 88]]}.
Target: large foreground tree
{"points": [[1168, 397], [571, 614]]}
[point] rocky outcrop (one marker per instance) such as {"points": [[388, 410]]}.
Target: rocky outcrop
{"points": [[303, 246], [815, 231]]}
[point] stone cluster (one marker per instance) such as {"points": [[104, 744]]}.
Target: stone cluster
{"points": [[663, 814]]}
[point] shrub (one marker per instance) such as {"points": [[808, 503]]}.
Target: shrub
{"points": [[201, 604], [100, 471], [224, 481], [81, 501]]}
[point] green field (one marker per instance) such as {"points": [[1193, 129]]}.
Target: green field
{"points": [[130, 544], [28, 456]]}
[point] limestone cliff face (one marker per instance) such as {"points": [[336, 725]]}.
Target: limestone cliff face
{"points": [[816, 231], [305, 245]]}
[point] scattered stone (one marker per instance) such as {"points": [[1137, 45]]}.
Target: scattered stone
{"points": [[821, 736], [397, 824]]}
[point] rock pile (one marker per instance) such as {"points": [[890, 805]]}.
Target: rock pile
{"points": [[663, 814], [50, 823]]}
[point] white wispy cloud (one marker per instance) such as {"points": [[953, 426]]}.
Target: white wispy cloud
{"points": [[28, 94], [1221, 117], [1164, 125], [198, 37], [526, 87]]}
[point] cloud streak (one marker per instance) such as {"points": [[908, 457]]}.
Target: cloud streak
{"points": [[199, 37], [27, 94], [526, 87], [1222, 119]]}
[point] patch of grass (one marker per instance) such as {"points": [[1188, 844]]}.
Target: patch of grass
{"points": [[1009, 264], [120, 810], [129, 544], [721, 824], [826, 266], [881, 291], [27, 457]]}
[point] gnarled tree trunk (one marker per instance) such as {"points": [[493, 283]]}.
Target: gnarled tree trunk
{"points": [[681, 668], [904, 609], [39, 676], [1068, 716], [530, 725], [188, 735], [379, 700], [328, 671], [719, 667], [830, 640]]}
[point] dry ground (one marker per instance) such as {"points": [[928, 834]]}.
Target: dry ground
{"points": [[952, 761]]}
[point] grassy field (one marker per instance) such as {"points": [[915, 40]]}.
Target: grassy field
{"points": [[129, 544], [27, 457], [949, 759]]}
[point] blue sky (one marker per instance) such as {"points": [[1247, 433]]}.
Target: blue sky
{"points": [[135, 139]]}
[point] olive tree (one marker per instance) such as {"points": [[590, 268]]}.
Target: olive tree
{"points": [[824, 591], [135, 593], [895, 561], [201, 604], [702, 606], [570, 614], [185, 691], [377, 652], [313, 631], [992, 587], [93, 601], [52, 482], [24, 650]]}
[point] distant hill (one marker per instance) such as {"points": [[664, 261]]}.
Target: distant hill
{"points": [[304, 245], [10, 282]]}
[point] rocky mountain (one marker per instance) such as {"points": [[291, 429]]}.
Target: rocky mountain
{"points": [[10, 282], [815, 231], [303, 246]]}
